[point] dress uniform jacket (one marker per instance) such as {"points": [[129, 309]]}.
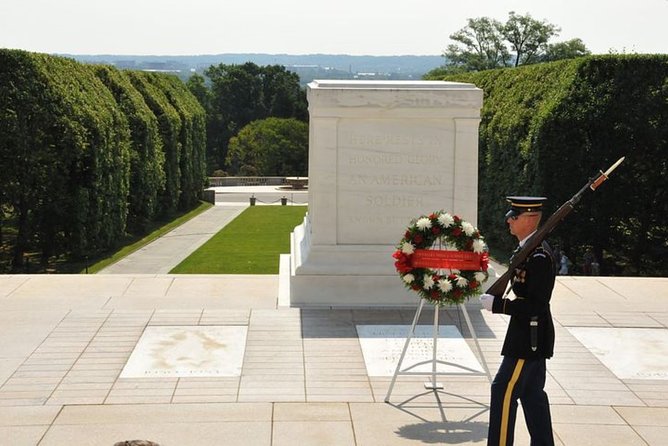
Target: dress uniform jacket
{"points": [[533, 282]]}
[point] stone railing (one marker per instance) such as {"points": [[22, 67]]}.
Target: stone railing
{"points": [[246, 181], [293, 182]]}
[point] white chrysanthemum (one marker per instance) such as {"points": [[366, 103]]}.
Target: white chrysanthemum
{"points": [[428, 281], [461, 281], [455, 271], [480, 276], [409, 278], [478, 246], [468, 228], [446, 220], [407, 248], [445, 286], [423, 223]]}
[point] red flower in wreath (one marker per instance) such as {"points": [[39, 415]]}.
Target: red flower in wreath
{"points": [[443, 283]]}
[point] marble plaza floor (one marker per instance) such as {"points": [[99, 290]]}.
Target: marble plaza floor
{"points": [[300, 376]]}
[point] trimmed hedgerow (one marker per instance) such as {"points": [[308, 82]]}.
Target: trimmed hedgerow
{"points": [[170, 131], [192, 136], [546, 128], [89, 153], [64, 146], [147, 178]]}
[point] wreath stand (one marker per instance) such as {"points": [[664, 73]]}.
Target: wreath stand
{"points": [[444, 230], [433, 384]]}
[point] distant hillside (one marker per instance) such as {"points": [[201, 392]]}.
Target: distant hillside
{"points": [[308, 66]]}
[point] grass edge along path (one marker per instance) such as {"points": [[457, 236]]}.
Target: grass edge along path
{"points": [[249, 244], [159, 232]]}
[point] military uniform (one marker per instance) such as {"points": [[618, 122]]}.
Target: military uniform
{"points": [[528, 343], [532, 284]]}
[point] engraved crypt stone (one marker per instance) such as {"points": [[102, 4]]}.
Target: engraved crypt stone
{"points": [[380, 154]]}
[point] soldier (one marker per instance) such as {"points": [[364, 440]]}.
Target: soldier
{"points": [[529, 338]]}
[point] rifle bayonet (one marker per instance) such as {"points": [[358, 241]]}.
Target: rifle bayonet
{"points": [[499, 286]]}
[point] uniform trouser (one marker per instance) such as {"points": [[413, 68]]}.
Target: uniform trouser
{"points": [[522, 379]]}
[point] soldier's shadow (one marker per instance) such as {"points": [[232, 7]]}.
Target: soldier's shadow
{"points": [[448, 432]]}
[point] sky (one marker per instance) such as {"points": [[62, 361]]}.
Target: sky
{"points": [[356, 27]]}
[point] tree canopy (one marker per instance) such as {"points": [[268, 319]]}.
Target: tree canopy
{"points": [[270, 147], [241, 94], [485, 43]]}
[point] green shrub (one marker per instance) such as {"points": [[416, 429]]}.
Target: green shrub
{"points": [[64, 146], [147, 177], [192, 137], [547, 128], [170, 125]]}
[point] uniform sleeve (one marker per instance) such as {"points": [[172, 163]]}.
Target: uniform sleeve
{"points": [[537, 290]]}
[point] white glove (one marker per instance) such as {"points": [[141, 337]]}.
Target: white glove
{"points": [[487, 301]]}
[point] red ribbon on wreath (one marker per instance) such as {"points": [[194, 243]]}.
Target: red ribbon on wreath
{"points": [[461, 260]]}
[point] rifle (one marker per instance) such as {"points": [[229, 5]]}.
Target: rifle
{"points": [[498, 288]]}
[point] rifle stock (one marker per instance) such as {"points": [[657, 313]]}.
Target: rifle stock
{"points": [[498, 288]]}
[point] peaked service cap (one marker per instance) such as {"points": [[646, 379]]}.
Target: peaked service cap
{"points": [[520, 205]]}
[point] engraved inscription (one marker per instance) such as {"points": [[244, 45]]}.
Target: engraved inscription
{"points": [[396, 180], [374, 140], [382, 346], [379, 159], [389, 171]]}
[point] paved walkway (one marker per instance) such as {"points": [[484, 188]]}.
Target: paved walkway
{"points": [[65, 340]]}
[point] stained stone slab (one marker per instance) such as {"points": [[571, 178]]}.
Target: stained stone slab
{"points": [[630, 353], [382, 346], [187, 351]]}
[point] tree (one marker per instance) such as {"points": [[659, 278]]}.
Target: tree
{"points": [[486, 43], [197, 86], [241, 94], [483, 46], [272, 147], [569, 49], [527, 37]]}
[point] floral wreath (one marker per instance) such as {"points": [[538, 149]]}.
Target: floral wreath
{"points": [[459, 273]]}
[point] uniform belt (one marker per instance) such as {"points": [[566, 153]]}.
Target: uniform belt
{"points": [[533, 333]]}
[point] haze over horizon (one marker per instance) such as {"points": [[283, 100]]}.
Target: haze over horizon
{"points": [[372, 28]]}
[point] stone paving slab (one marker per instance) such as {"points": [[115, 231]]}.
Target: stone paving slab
{"points": [[65, 341]]}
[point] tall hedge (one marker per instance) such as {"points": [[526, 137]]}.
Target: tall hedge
{"points": [[547, 128], [192, 136], [147, 177], [64, 151], [90, 153], [170, 125]]}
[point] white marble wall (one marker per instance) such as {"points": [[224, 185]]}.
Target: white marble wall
{"points": [[380, 154]]}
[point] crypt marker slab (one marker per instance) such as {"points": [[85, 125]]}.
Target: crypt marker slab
{"points": [[630, 353], [187, 351], [382, 346]]}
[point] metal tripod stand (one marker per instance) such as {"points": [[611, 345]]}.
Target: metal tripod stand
{"points": [[433, 384]]}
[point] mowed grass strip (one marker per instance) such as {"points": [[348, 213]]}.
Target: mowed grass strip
{"points": [[249, 244]]}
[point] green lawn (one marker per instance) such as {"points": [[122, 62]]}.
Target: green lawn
{"points": [[250, 244]]}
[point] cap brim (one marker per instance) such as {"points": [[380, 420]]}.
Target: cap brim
{"points": [[511, 213]]}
